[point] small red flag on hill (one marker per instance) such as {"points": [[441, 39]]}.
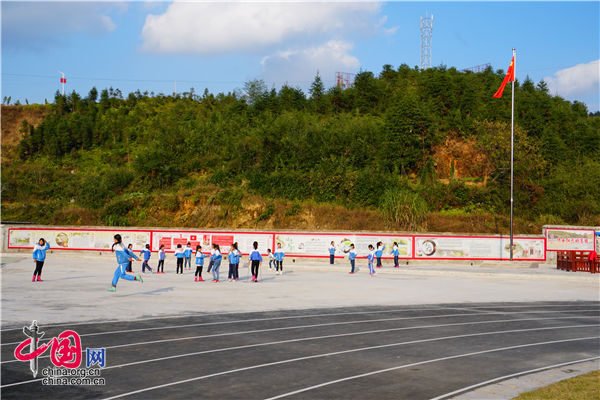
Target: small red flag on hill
{"points": [[510, 77]]}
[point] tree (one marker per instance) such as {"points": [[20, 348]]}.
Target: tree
{"points": [[317, 95], [388, 74], [93, 95], [407, 137], [367, 91], [291, 98], [255, 91], [104, 99]]}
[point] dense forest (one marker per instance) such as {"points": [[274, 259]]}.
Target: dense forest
{"points": [[402, 150]]}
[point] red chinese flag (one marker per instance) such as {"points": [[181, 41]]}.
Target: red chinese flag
{"points": [[510, 77]]}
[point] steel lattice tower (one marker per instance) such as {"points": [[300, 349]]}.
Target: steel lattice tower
{"points": [[426, 29]]}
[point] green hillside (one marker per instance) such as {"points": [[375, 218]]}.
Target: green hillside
{"points": [[402, 150]]}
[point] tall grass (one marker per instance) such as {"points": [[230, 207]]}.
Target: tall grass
{"points": [[404, 208]]}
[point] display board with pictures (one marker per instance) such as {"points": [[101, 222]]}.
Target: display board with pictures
{"points": [[570, 239], [474, 248], [76, 239]]}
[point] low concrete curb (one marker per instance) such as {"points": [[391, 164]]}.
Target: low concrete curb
{"points": [[511, 388]]}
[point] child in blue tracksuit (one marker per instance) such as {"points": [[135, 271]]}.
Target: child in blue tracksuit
{"points": [[39, 256], [199, 264], [379, 253], [146, 253], [216, 259], [332, 252], [279, 254], [395, 253], [238, 258], [179, 254], [188, 256], [352, 257], [130, 265], [161, 260], [370, 259], [272, 260], [234, 262], [255, 260], [124, 255]]}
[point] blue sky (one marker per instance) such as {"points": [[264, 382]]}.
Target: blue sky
{"points": [[219, 46]]}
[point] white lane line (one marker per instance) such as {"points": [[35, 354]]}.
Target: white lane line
{"points": [[407, 366], [574, 304], [310, 338], [196, 315], [502, 378], [350, 351], [243, 313], [323, 324], [249, 320], [314, 356], [297, 317]]}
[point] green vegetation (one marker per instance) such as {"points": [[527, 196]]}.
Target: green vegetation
{"points": [[264, 154], [583, 387]]}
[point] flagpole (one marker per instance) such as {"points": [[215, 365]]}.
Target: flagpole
{"points": [[512, 136]]}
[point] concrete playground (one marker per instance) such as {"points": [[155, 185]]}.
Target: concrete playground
{"points": [[315, 332], [75, 288]]}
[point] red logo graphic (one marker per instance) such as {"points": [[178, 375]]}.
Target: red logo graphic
{"points": [[65, 349]]}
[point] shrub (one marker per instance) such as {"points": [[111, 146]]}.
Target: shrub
{"points": [[115, 212], [267, 213], [293, 210]]}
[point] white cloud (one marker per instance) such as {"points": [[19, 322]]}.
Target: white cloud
{"points": [[580, 80], [40, 24], [212, 28], [299, 66]]}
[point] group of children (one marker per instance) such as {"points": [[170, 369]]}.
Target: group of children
{"points": [[125, 256], [374, 254]]}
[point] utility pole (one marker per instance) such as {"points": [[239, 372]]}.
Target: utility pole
{"points": [[63, 80]]}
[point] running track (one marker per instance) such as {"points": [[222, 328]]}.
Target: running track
{"points": [[403, 352]]}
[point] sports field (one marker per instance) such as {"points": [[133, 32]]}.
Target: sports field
{"points": [[301, 335]]}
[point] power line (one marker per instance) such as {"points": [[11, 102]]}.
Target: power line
{"points": [[138, 80]]}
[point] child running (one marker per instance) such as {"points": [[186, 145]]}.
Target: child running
{"points": [[216, 258], [199, 264], [279, 254], [124, 255], [379, 253], [395, 253], [272, 259], [146, 253], [39, 256], [370, 259], [255, 260], [234, 262], [179, 254], [188, 256], [352, 257], [161, 260]]}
